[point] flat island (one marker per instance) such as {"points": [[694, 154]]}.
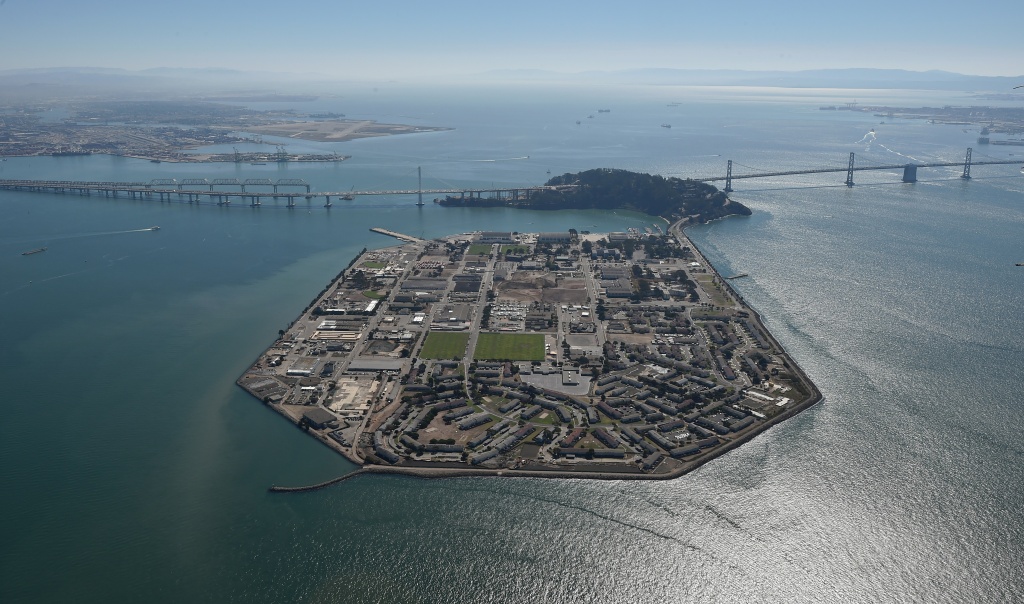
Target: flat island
{"points": [[567, 354]]}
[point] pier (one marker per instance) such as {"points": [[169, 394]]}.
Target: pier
{"points": [[396, 235]]}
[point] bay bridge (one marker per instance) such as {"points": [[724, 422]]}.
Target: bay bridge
{"points": [[909, 170], [255, 190], [251, 190]]}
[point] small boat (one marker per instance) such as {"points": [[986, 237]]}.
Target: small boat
{"points": [[1018, 264], [154, 228], [578, 122], [604, 110], [666, 125], [154, 161], [35, 251]]}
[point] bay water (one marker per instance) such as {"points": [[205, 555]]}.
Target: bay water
{"points": [[134, 469]]}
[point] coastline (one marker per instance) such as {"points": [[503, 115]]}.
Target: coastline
{"points": [[438, 470]]}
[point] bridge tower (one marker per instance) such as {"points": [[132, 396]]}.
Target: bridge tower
{"points": [[967, 166], [849, 172], [728, 177], [419, 177]]}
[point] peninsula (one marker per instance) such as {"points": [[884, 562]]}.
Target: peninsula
{"points": [[566, 354]]}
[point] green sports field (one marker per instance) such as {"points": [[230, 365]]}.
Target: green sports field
{"points": [[511, 346], [444, 345]]}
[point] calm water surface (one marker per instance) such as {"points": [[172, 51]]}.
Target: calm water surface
{"points": [[137, 470]]}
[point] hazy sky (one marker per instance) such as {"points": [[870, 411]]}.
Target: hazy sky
{"points": [[394, 38]]}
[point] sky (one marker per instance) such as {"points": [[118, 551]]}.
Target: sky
{"points": [[431, 38]]}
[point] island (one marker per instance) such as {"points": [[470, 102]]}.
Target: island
{"points": [[610, 189], [620, 355]]}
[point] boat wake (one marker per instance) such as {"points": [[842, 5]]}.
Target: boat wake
{"points": [[500, 159], [868, 138], [100, 234], [910, 157]]}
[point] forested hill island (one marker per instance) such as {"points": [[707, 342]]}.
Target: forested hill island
{"points": [[609, 189]]}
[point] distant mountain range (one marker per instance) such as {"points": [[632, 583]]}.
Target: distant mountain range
{"points": [[817, 78], [107, 81]]}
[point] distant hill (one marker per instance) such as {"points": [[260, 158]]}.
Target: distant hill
{"points": [[607, 189], [818, 78]]}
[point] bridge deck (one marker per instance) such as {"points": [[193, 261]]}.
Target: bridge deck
{"points": [[162, 188], [170, 187], [946, 164]]}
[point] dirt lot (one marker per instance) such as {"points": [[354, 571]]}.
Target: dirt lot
{"points": [[437, 429], [630, 338], [540, 287], [559, 295]]}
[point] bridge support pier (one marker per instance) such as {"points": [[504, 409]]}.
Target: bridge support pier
{"points": [[910, 173], [967, 165], [849, 172]]}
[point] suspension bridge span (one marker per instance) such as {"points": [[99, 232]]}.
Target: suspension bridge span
{"points": [[909, 170]]}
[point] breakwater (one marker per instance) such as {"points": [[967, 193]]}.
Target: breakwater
{"points": [[319, 485]]}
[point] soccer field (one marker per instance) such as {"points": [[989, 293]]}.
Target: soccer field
{"points": [[444, 345], [511, 346]]}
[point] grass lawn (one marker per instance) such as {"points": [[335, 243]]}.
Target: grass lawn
{"points": [[479, 249], [373, 295], [545, 417], [512, 346], [373, 264], [707, 284], [444, 345]]}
